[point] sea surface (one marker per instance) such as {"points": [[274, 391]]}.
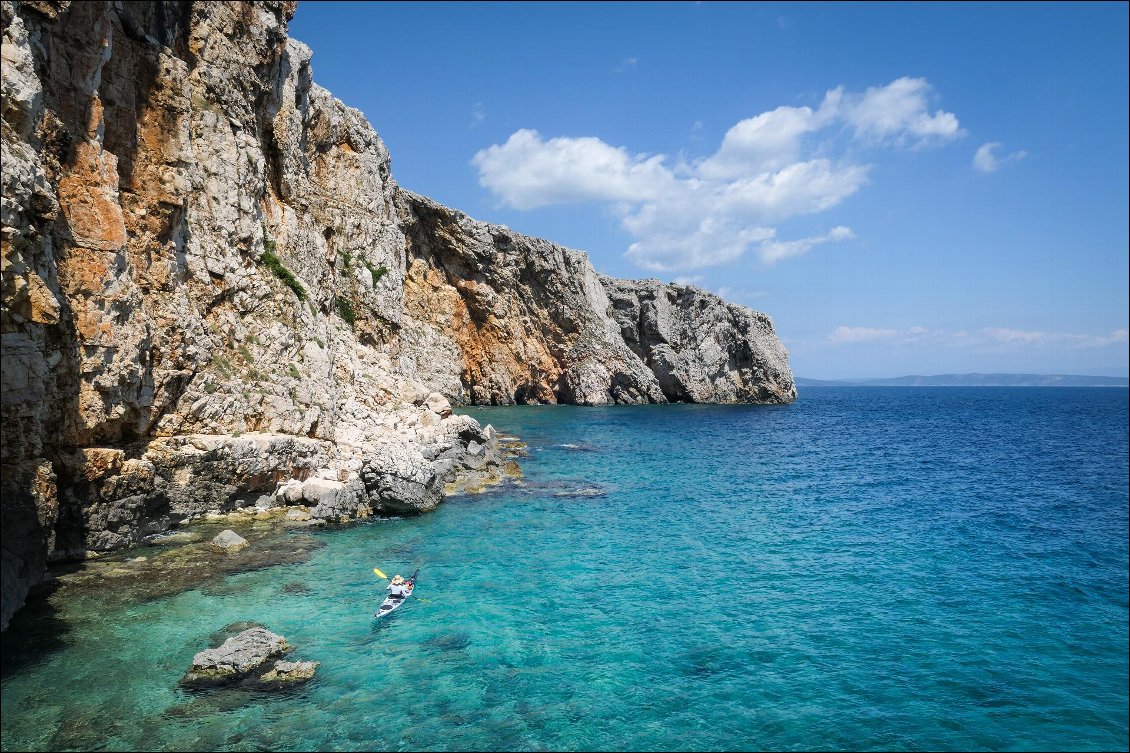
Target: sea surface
{"points": [[869, 568]]}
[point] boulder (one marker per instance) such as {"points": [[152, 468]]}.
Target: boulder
{"points": [[238, 658], [290, 491], [317, 489], [286, 674], [438, 404], [229, 541]]}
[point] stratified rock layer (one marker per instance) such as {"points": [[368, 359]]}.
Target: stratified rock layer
{"points": [[215, 296]]}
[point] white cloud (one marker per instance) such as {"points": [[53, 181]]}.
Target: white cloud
{"points": [[860, 334], [714, 241], [527, 172], [1004, 335], [993, 338], [1007, 336], [801, 188], [896, 113], [1115, 337], [478, 114], [739, 294], [987, 162], [774, 251], [710, 211], [870, 334], [769, 141], [627, 64]]}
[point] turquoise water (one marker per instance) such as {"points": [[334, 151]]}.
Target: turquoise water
{"points": [[867, 569]]}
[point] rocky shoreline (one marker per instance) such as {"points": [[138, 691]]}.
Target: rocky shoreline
{"points": [[215, 296]]}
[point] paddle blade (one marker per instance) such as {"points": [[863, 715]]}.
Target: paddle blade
{"points": [[378, 572]]}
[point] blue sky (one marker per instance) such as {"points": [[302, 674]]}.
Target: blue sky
{"points": [[905, 188]]}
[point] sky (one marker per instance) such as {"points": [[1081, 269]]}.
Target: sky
{"points": [[905, 188]]}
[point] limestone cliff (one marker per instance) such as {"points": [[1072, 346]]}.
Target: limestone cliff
{"points": [[202, 287], [495, 317], [214, 294]]}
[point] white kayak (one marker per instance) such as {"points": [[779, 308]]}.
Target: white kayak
{"points": [[392, 602]]}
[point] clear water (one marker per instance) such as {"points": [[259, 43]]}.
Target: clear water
{"points": [[867, 569]]}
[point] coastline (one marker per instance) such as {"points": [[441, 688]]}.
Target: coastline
{"points": [[829, 531], [216, 292]]}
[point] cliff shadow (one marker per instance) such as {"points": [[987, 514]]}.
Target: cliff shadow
{"points": [[35, 632]]}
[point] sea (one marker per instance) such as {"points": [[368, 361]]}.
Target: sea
{"points": [[866, 569]]}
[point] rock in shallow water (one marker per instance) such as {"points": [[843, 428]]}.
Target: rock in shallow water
{"points": [[584, 491], [236, 659], [246, 659], [286, 674], [229, 541]]}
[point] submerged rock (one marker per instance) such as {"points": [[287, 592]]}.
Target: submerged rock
{"points": [[173, 537], [576, 447], [584, 491], [296, 588], [232, 630]]}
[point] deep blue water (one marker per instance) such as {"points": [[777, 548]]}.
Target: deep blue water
{"points": [[873, 568]]}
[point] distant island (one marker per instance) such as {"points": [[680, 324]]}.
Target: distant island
{"points": [[973, 380]]}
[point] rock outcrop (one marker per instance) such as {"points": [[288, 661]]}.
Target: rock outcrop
{"points": [[229, 541], [246, 659], [700, 348], [494, 317], [215, 296]]}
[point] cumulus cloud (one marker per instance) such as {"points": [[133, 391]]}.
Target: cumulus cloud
{"points": [[685, 215], [669, 246], [897, 113], [527, 172], [987, 162], [769, 141]]}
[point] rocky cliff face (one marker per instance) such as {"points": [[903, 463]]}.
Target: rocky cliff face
{"points": [[215, 295], [494, 317]]}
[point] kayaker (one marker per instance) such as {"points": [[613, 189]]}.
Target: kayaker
{"points": [[397, 587]]}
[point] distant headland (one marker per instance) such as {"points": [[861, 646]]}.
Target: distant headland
{"points": [[974, 380]]}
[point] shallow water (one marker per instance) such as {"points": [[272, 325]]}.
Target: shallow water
{"points": [[922, 568]]}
